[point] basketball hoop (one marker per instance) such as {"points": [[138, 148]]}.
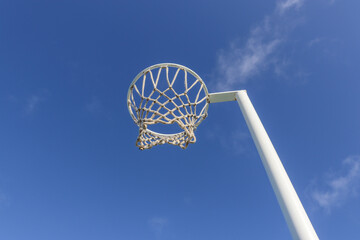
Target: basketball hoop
{"points": [[167, 93]]}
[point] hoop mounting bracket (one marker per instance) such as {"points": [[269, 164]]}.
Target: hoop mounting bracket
{"points": [[223, 96]]}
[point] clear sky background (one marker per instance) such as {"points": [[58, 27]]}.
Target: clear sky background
{"points": [[69, 168]]}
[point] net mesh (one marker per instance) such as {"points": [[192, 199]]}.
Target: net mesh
{"points": [[152, 99]]}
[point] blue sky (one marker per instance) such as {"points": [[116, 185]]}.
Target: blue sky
{"points": [[69, 168]]}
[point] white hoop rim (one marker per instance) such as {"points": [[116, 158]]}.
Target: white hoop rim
{"points": [[165, 65]]}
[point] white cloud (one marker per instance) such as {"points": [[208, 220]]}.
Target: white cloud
{"points": [[284, 6], [242, 61], [340, 187], [157, 225], [238, 64]]}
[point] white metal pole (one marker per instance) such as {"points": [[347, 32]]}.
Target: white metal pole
{"points": [[293, 211]]}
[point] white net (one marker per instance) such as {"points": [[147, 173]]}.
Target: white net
{"points": [[167, 94]]}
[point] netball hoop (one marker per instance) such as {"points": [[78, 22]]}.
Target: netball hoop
{"points": [[167, 93], [171, 94]]}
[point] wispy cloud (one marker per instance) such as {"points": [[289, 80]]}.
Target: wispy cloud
{"points": [[32, 103], [283, 6], [314, 41], [340, 186], [242, 61], [157, 225]]}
